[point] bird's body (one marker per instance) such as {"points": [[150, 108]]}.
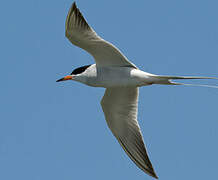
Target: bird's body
{"points": [[122, 80], [109, 77]]}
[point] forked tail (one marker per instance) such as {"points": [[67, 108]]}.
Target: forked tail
{"points": [[167, 80]]}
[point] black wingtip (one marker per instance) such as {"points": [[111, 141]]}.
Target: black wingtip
{"points": [[155, 176], [74, 5]]}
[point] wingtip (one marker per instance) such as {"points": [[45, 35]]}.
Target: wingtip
{"points": [[77, 22], [155, 176], [74, 5], [71, 10], [148, 169], [152, 173]]}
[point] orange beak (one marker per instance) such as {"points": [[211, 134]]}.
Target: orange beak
{"points": [[68, 77]]}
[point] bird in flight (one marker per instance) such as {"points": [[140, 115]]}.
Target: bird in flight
{"points": [[122, 79]]}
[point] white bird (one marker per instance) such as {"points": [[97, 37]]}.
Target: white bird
{"points": [[122, 80]]}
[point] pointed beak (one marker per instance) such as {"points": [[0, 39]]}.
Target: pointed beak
{"points": [[68, 77]]}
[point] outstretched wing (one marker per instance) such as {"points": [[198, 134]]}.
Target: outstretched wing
{"points": [[120, 106], [82, 35]]}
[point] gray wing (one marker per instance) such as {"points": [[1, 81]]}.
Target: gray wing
{"points": [[120, 106], [82, 35]]}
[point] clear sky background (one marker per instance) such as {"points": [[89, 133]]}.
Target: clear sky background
{"points": [[56, 131]]}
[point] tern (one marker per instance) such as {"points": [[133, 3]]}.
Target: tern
{"points": [[122, 79]]}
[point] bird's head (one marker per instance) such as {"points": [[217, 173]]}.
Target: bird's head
{"points": [[76, 72]]}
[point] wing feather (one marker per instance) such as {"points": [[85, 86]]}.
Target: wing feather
{"points": [[120, 106], [82, 35]]}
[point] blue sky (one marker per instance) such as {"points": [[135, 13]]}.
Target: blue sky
{"points": [[56, 131]]}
